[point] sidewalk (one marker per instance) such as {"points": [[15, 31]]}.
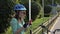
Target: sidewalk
{"points": [[56, 26]]}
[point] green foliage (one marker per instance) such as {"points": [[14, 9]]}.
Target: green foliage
{"points": [[47, 10], [36, 23], [5, 9], [35, 9], [57, 1]]}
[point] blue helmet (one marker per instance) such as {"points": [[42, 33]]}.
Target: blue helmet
{"points": [[19, 7]]}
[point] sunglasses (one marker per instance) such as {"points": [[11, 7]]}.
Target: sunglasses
{"points": [[23, 12]]}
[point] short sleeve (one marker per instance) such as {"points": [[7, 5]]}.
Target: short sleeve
{"points": [[14, 25]]}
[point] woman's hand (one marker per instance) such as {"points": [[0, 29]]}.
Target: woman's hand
{"points": [[30, 22], [25, 25]]}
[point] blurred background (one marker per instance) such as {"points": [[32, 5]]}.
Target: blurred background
{"points": [[41, 11]]}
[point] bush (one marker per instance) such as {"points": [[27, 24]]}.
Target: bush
{"points": [[5, 9], [47, 10], [35, 9]]}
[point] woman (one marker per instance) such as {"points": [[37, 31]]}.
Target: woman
{"points": [[17, 23]]}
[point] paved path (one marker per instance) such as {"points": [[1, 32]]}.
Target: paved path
{"points": [[56, 26]]}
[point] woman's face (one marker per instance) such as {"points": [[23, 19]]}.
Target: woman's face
{"points": [[22, 14]]}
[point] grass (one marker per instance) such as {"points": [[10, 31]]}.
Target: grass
{"points": [[34, 25], [37, 22], [9, 31]]}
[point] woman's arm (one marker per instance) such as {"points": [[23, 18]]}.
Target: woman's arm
{"points": [[13, 24], [14, 27], [19, 30]]}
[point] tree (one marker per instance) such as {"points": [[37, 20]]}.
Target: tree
{"points": [[47, 10], [5, 9], [35, 9]]}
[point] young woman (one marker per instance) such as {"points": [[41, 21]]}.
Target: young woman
{"points": [[17, 22]]}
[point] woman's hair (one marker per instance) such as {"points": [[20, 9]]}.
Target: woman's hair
{"points": [[12, 13], [17, 15]]}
